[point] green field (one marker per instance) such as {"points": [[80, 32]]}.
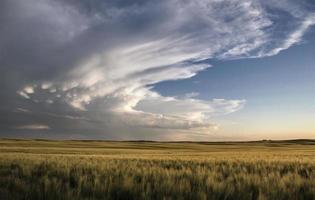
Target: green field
{"points": [[43, 169]]}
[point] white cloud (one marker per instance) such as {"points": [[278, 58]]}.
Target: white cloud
{"points": [[33, 127], [22, 110], [295, 36], [26, 91], [52, 90], [29, 89], [23, 94], [46, 85], [193, 109], [191, 95]]}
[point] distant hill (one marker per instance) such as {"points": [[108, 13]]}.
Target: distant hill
{"points": [[293, 141]]}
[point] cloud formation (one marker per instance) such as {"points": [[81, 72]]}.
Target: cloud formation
{"points": [[89, 67], [33, 127]]}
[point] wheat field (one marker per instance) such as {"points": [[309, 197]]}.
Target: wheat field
{"points": [[44, 169]]}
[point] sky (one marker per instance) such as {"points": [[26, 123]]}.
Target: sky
{"points": [[206, 70]]}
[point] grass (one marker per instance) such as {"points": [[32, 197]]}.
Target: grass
{"points": [[43, 169]]}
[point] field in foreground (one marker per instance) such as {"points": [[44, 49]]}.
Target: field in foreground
{"points": [[39, 169]]}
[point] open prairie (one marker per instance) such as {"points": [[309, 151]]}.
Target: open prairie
{"points": [[44, 169]]}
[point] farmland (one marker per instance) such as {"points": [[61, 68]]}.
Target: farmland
{"points": [[46, 169]]}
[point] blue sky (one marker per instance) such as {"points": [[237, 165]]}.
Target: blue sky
{"points": [[289, 75], [279, 88], [167, 70]]}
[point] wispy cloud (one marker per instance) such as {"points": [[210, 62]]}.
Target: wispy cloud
{"points": [[33, 127], [295, 36], [191, 95]]}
